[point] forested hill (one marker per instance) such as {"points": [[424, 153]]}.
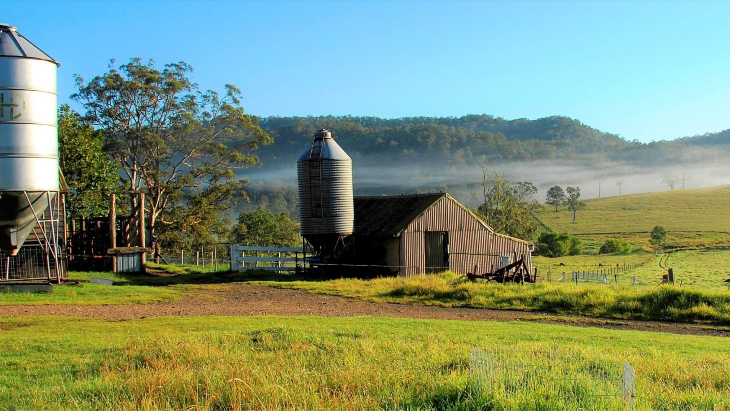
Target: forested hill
{"points": [[464, 139], [419, 154], [471, 139]]}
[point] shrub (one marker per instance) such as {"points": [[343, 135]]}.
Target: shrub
{"points": [[558, 245], [658, 235], [615, 246]]}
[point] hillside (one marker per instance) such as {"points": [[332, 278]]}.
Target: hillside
{"points": [[474, 138], [692, 217], [420, 154]]}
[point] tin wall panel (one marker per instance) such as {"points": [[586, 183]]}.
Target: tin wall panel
{"points": [[472, 245]]}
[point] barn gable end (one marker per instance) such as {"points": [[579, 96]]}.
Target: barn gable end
{"points": [[472, 245]]}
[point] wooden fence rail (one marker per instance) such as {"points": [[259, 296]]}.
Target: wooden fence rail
{"points": [[266, 258]]}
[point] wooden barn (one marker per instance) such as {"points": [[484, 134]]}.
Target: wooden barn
{"points": [[421, 233]]}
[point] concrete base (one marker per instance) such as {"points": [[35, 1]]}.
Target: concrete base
{"points": [[26, 288]]}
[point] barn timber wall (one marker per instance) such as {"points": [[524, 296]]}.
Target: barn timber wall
{"points": [[473, 246]]}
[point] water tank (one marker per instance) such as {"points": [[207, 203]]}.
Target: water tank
{"points": [[28, 136], [324, 175]]}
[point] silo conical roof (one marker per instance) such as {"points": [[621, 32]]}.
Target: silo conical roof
{"points": [[324, 148], [13, 44]]}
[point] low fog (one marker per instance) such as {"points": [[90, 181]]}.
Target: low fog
{"points": [[463, 181]]}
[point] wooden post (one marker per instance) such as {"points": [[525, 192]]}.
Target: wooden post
{"points": [[142, 235], [182, 257], [113, 228], [197, 258]]}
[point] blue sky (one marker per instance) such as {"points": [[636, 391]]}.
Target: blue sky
{"points": [[644, 70]]}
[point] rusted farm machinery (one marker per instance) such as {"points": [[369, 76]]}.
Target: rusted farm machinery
{"points": [[516, 272]]}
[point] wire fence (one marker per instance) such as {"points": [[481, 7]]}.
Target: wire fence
{"points": [[617, 275], [552, 377], [213, 257]]}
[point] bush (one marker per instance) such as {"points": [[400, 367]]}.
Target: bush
{"points": [[617, 246], [558, 245], [658, 235]]}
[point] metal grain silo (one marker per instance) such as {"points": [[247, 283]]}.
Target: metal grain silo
{"points": [[326, 210], [29, 178]]}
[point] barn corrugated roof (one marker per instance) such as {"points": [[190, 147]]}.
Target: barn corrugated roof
{"points": [[389, 215]]}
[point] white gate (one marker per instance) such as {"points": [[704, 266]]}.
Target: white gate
{"points": [[245, 257]]}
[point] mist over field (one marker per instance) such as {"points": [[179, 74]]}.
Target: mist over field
{"points": [[431, 154], [463, 182]]}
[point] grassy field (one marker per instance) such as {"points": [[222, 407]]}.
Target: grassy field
{"points": [[693, 218], [699, 299], [124, 291], [696, 269], [216, 363], [665, 303]]}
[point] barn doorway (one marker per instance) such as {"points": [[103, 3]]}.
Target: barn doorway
{"points": [[437, 251]]}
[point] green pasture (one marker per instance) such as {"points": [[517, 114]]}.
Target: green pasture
{"points": [[617, 301], [215, 363], [700, 269], [693, 218], [124, 291]]}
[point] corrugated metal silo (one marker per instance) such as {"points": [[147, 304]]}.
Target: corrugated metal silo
{"points": [[324, 174], [29, 174]]}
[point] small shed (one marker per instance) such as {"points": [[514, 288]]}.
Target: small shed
{"points": [[422, 233]]}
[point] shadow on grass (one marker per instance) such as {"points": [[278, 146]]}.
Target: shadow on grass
{"points": [[165, 275]]}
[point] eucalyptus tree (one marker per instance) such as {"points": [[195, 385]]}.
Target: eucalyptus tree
{"points": [[573, 200], [555, 196], [507, 206], [87, 170], [179, 145]]}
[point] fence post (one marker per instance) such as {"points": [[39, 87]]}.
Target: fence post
{"points": [[182, 257], [197, 258], [615, 277], [633, 281], [232, 256]]}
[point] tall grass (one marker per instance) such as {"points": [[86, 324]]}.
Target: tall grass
{"points": [[222, 363], [608, 301]]}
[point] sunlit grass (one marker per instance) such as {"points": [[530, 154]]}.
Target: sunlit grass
{"points": [[694, 218], [214, 363], [124, 291], [599, 300]]}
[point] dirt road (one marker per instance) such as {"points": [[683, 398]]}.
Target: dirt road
{"points": [[253, 300]]}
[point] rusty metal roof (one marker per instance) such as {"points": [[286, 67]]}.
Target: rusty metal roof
{"points": [[13, 44], [389, 215]]}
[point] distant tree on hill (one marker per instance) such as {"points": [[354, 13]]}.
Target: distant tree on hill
{"points": [[555, 196], [619, 184], [683, 178], [670, 181], [658, 235], [573, 200]]}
